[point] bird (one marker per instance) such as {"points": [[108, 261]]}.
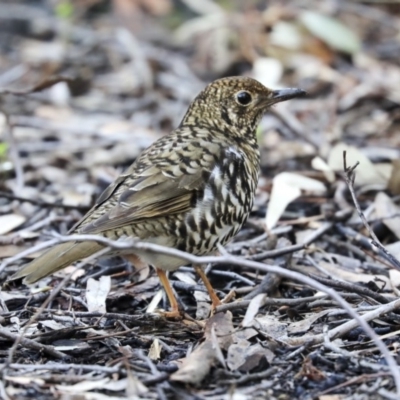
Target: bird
{"points": [[192, 189]]}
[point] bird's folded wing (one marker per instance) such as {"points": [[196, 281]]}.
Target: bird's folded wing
{"points": [[152, 194]]}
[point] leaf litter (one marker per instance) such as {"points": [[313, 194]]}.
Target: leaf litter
{"points": [[89, 87]]}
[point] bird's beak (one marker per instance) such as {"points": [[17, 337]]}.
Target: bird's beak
{"points": [[276, 96], [286, 94]]}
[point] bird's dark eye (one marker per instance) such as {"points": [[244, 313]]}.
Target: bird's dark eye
{"points": [[243, 98]]}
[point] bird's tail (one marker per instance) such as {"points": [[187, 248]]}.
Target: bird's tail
{"points": [[56, 258]]}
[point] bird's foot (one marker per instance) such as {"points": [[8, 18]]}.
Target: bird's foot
{"points": [[175, 314]]}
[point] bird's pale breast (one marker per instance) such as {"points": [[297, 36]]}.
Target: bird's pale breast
{"points": [[219, 211]]}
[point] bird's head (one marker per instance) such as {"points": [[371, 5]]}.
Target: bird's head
{"points": [[235, 104]]}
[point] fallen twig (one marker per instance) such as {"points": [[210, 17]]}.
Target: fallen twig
{"points": [[350, 177]]}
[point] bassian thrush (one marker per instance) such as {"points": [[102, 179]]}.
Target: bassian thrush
{"points": [[191, 190]]}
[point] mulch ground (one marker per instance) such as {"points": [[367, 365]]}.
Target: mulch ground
{"points": [[85, 86]]}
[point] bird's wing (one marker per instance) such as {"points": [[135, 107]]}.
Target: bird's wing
{"points": [[156, 185]]}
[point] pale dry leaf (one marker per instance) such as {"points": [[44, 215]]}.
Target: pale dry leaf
{"points": [[73, 198], [366, 173], [252, 310], [126, 351], [155, 350], [271, 326], [385, 170], [9, 222], [218, 353], [142, 272], [332, 397], [385, 208], [288, 186], [254, 356], [37, 52], [154, 302], [135, 389], [84, 386], [320, 165], [394, 276], [286, 35], [203, 307], [336, 271], [236, 354], [394, 248], [89, 396], [246, 333], [7, 296], [223, 328], [331, 31], [25, 380], [157, 7], [205, 7], [268, 71], [115, 385], [97, 292], [71, 344], [244, 357], [305, 324], [76, 273], [51, 324], [197, 365], [10, 250], [195, 26]]}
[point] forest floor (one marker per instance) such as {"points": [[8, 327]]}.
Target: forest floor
{"points": [[85, 86]]}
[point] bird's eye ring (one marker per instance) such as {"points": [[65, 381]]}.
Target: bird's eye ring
{"points": [[243, 98]]}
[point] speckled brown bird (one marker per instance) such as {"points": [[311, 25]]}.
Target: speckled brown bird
{"points": [[191, 190]]}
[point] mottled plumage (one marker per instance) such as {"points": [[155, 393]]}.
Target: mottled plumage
{"points": [[192, 189]]}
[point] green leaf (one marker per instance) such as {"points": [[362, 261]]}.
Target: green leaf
{"points": [[331, 31], [64, 9], [3, 150]]}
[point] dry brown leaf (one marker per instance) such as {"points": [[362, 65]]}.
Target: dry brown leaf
{"points": [[394, 181], [10, 250], [197, 365], [309, 371], [223, 328]]}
